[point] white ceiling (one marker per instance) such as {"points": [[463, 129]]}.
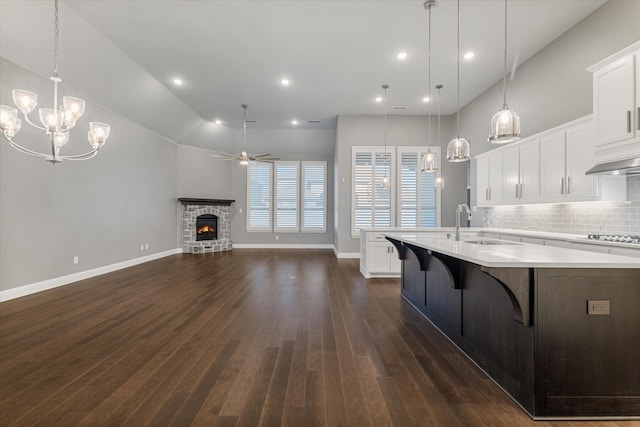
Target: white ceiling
{"points": [[337, 54]]}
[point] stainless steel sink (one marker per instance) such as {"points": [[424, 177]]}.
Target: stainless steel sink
{"points": [[489, 242]]}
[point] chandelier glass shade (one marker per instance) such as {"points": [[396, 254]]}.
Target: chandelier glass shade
{"points": [[505, 124], [458, 148], [55, 122]]}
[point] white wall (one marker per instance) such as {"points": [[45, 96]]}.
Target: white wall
{"points": [[100, 210], [402, 131]]}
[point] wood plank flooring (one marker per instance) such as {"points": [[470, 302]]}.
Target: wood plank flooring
{"points": [[242, 338]]}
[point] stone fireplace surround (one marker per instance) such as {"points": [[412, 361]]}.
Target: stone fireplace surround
{"points": [[191, 209]]}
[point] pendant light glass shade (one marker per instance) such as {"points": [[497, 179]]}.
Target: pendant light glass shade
{"points": [[505, 124], [439, 183], [458, 148], [429, 162]]}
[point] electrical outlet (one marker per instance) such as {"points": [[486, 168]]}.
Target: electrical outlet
{"points": [[141, 247], [598, 307], [277, 237], [146, 246], [75, 259]]}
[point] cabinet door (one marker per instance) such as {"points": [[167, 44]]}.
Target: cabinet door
{"points": [[579, 140], [552, 167], [495, 178], [511, 174], [378, 257], [530, 172], [482, 181], [614, 99], [395, 264]]}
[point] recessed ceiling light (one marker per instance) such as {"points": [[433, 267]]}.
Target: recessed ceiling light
{"points": [[469, 55], [177, 82], [218, 121], [285, 82], [402, 56], [294, 122], [425, 99], [378, 99]]}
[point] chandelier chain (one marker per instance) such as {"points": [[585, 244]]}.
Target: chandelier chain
{"points": [[55, 40]]}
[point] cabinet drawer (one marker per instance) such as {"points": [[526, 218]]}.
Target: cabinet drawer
{"points": [[375, 237]]}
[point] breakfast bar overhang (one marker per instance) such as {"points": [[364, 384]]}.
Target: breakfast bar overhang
{"points": [[557, 329]]}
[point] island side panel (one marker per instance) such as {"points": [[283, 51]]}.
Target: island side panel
{"points": [[587, 364], [492, 337]]}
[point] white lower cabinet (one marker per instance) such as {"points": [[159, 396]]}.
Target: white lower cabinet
{"points": [[378, 257]]}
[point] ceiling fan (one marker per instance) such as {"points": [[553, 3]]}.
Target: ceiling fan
{"points": [[243, 157]]}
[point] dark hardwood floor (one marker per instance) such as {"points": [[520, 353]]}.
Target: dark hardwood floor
{"points": [[243, 338]]}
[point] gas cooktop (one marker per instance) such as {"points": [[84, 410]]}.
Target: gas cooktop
{"points": [[619, 238]]}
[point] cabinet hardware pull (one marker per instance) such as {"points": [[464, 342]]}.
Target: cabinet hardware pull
{"points": [[638, 119], [628, 121], [568, 185], [486, 193], [521, 185], [517, 191], [489, 193], [562, 185]]}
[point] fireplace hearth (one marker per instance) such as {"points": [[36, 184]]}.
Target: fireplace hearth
{"points": [[206, 225]]}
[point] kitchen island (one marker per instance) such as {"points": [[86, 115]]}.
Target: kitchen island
{"points": [[558, 329]]}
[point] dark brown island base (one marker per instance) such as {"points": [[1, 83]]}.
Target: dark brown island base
{"points": [[557, 329]]}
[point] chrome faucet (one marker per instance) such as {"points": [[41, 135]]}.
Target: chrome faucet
{"points": [[456, 232]]}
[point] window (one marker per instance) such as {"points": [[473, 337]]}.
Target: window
{"points": [[259, 197], [418, 204], [286, 196], [314, 197], [298, 201], [372, 205]]}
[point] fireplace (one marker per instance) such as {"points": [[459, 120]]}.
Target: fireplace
{"points": [[207, 227]]}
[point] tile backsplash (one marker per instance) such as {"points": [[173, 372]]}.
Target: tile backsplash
{"points": [[574, 218]]}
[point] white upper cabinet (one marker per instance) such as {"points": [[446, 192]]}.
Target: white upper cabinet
{"points": [[521, 172], [616, 105], [546, 168], [489, 179]]}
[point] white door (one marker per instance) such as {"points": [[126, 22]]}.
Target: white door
{"points": [[580, 159], [552, 167], [511, 174], [530, 172], [614, 99]]}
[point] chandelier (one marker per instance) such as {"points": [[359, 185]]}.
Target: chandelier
{"points": [[56, 122]]}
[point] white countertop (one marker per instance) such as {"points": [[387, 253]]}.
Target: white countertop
{"points": [[512, 254]]}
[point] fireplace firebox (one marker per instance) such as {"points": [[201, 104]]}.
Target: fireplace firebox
{"points": [[207, 227]]}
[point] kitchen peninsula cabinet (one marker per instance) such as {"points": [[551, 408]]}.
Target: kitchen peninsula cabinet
{"points": [[556, 328]]}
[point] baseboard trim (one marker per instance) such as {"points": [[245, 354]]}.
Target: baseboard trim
{"points": [[281, 246], [44, 285], [346, 255]]}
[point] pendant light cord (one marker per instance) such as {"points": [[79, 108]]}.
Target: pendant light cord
{"points": [[430, 5], [386, 162], [244, 128], [504, 80], [458, 82], [55, 40]]}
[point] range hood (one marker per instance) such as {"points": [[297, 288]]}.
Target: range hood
{"points": [[627, 167]]}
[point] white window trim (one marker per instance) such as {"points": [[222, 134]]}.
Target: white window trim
{"points": [[421, 150], [355, 233], [302, 195]]}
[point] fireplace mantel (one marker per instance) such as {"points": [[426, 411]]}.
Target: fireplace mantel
{"points": [[207, 202]]}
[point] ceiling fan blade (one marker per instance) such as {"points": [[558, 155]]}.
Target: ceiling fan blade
{"points": [[262, 155], [224, 153], [221, 157]]}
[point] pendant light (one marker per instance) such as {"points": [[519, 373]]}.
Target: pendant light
{"points": [[458, 148], [429, 160], [439, 181], [505, 124], [386, 181]]}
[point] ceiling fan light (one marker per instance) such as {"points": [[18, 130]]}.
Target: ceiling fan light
{"points": [[244, 158], [458, 150], [505, 126]]}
